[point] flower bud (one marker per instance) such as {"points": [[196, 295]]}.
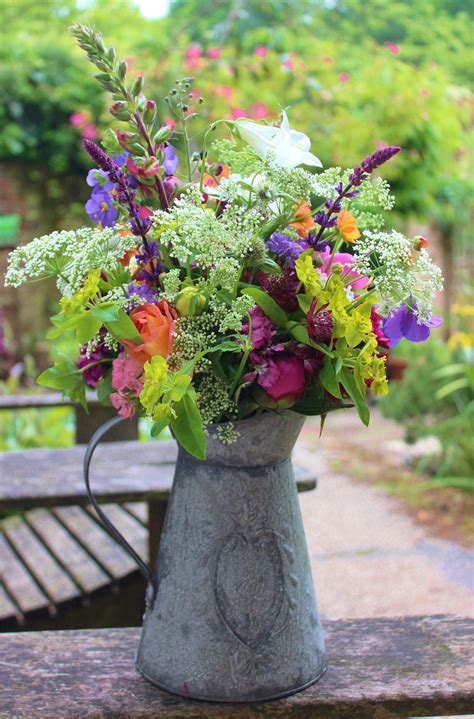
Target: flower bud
{"points": [[191, 302], [149, 111], [337, 268], [120, 110], [420, 242], [162, 134], [137, 86]]}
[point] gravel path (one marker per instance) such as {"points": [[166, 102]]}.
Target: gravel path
{"points": [[369, 558]]}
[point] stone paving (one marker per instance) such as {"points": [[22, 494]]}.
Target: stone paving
{"points": [[369, 558]]}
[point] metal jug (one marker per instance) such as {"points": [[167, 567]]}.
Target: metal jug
{"points": [[231, 614]]}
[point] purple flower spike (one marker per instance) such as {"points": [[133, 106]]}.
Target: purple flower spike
{"points": [[286, 247], [404, 323]]}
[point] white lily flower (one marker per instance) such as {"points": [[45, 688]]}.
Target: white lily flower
{"points": [[288, 148]]}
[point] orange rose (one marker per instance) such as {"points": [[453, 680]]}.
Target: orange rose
{"points": [[347, 226], [155, 325], [304, 225]]}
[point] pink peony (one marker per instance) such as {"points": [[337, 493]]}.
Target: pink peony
{"points": [[123, 405], [284, 379]]}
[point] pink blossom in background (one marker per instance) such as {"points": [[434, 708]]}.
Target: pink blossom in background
{"points": [[123, 405], [129, 61], [89, 132], [169, 122], [261, 51], [288, 64], [193, 57], [327, 60], [214, 53], [380, 144], [393, 48], [424, 92], [236, 112], [224, 91], [259, 111], [344, 77], [77, 119], [194, 92]]}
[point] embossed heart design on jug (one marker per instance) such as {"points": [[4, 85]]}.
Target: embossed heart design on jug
{"points": [[249, 584]]}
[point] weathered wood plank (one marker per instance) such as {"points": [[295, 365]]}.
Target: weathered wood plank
{"points": [[84, 570], [109, 555], [378, 668], [138, 510], [19, 582], [133, 530], [50, 576], [124, 472], [7, 608]]}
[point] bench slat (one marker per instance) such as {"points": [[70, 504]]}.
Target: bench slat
{"points": [[50, 576], [7, 608], [18, 581], [133, 530], [139, 510], [84, 570], [414, 666], [105, 550]]}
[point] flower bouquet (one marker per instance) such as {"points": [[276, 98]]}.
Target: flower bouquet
{"points": [[224, 282], [237, 279]]}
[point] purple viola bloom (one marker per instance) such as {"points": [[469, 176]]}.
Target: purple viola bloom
{"points": [[404, 323], [100, 209], [97, 179], [286, 247], [170, 164]]}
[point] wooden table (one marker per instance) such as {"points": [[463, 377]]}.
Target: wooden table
{"points": [[378, 668], [57, 555]]}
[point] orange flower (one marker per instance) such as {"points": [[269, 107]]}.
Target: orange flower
{"points": [[304, 225], [221, 171], [155, 325], [347, 225]]}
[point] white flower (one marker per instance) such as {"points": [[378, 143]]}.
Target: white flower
{"points": [[285, 147]]}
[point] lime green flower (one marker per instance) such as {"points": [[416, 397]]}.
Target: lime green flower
{"points": [[306, 273], [155, 376], [72, 305]]}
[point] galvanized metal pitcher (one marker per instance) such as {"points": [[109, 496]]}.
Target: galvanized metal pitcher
{"points": [[231, 613]]}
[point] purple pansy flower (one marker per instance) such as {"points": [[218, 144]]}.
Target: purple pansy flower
{"points": [[100, 208], [404, 323], [171, 161], [286, 247]]}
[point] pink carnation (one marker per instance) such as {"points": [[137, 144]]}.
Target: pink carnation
{"points": [[123, 405], [126, 375]]}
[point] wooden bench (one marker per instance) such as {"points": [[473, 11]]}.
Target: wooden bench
{"points": [[56, 560], [378, 668]]}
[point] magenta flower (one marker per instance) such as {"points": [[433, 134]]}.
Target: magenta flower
{"points": [[404, 323], [261, 50], [126, 375], [283, 379], [263, 329], [124, 406], [347, 261]]}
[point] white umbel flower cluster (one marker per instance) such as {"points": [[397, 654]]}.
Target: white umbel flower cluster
{"points": [[401, 274], [69, 256]]}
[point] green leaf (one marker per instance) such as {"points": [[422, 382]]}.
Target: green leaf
{"points": [[268, 305], [106, 312], [339, 364], [158, 427], [63, 376], [304, 302], [352, 390], [87, 327], [181, 385], [187, 427], [316, 402], [104, 389], [124, 329], [328, 378], [62, 324]]}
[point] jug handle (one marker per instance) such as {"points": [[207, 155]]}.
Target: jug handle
{"points": [[113, 531]]}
